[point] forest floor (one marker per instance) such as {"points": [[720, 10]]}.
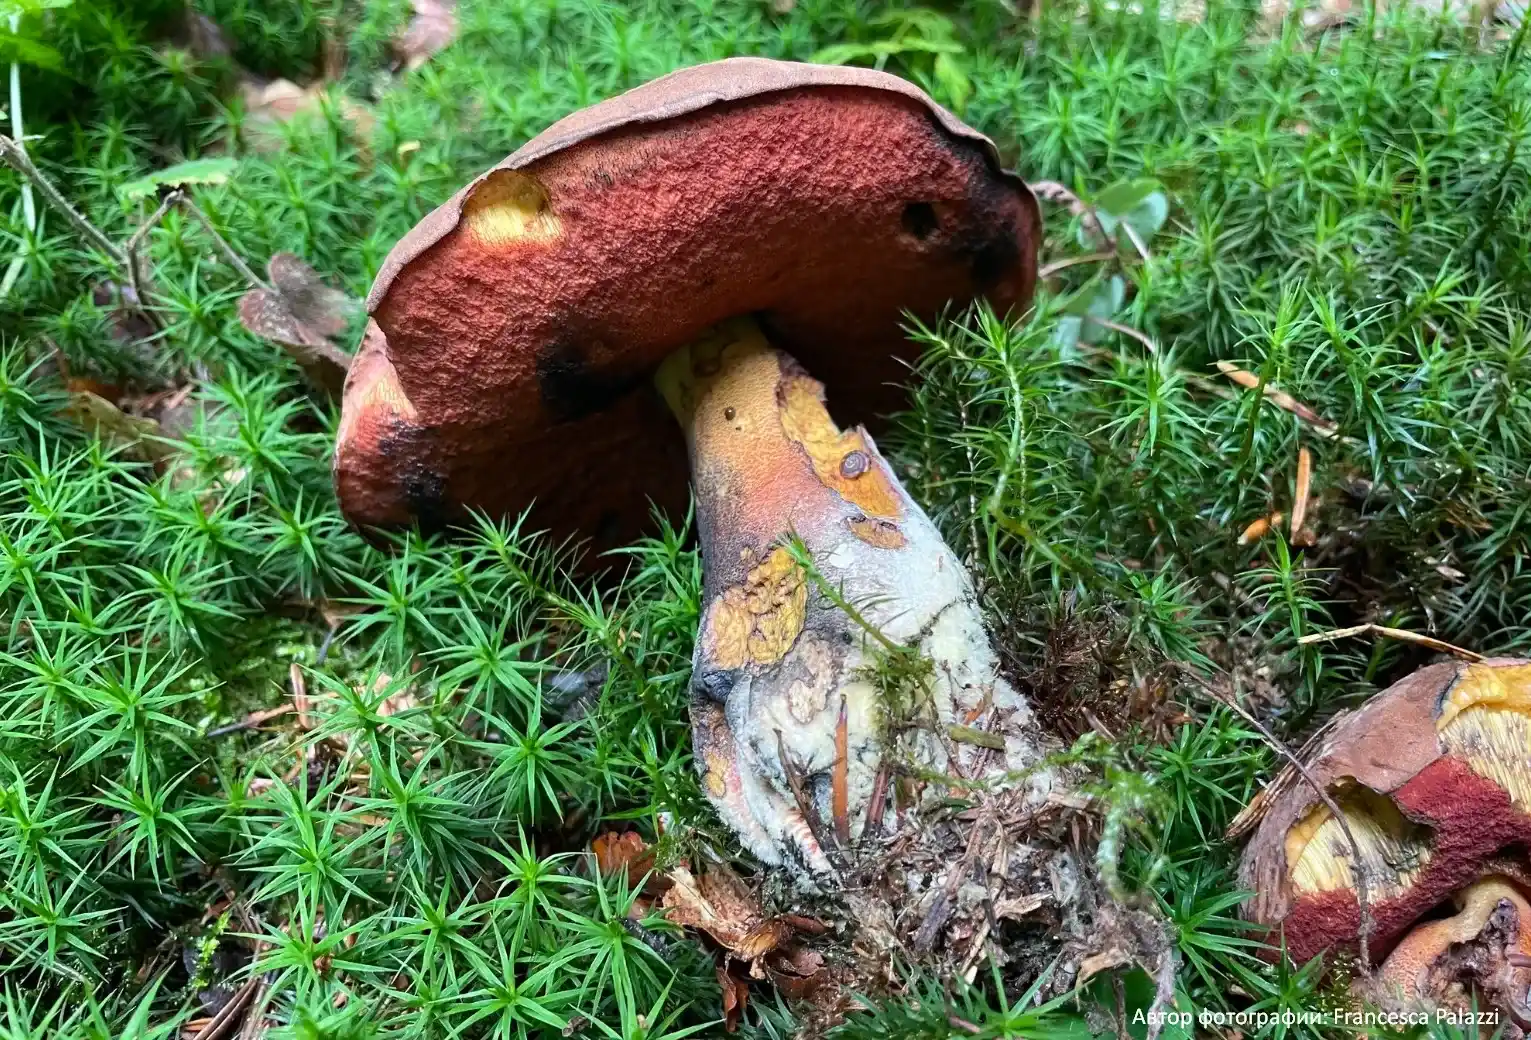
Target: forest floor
{"points": [[259, 777]]}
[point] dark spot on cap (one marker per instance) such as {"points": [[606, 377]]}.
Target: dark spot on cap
{"points": [[571, 389], [425, 494], [919, 219], [995, 258]]}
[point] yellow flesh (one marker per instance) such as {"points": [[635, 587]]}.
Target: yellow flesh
{"points": [[1485, 722], [510, 206], [1393, 849]]}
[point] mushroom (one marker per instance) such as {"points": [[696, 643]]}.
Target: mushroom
{"points": [[1433, 780], [691, 250]]}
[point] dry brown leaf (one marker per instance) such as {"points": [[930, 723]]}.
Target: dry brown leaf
{"points": [[628, 854], [269, 105], [1280, 398], [718, 903], [736, 993], [300, 312], [396, 703], [433, 27]]}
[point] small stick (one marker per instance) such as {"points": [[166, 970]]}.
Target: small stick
{"points": [[1300, 503], [877, 805], [1125, 330], [135, 262], [1280, 398], [1164, 990], [1053, 268], [1400, 634], [840, 781], [252, 720], [1052, 191], [1363, 894], [16, 157], [1135, 239], [223, 245], [228, 1015], [299, 695], [170, 199]]}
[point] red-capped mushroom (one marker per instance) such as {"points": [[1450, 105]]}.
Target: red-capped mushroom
{"points": [[1433, 780], [717, 227]]}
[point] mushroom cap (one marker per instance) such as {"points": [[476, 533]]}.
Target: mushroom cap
{"points": [[1433, 776], [514, 330]]}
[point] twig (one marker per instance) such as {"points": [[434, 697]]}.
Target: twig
{"points": [[28, 203], [1300, 502], [1363, 891], [839, 788], [1052, 191], [250, 721], [1059, 265], [223, 245], [1279, 398], [1164, 992], [16, 157], [1120, 989], [1400, 634], [135, 272], [1125, 330], [962, 1024], [228, 1015], [799, 793], [877, 805], [1135, 239], [299, 690]]}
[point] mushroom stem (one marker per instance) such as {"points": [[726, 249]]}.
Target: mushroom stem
{"points": [[769, 467]]}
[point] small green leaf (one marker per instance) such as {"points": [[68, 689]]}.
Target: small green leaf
{"points": [[1107, 301], [1140, 203], [196, 171], [1123, 197], [20, 50]]}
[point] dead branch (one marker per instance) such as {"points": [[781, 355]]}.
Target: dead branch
{"points": [[17, 159], [1400, 634]]}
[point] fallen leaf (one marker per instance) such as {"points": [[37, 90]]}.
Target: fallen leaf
{"points": [[718, 903], [141, 438], [433, 27], [736, 992], [269, 105], [1105, 960], [627, 854], [300, 312], [396, 703]]}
